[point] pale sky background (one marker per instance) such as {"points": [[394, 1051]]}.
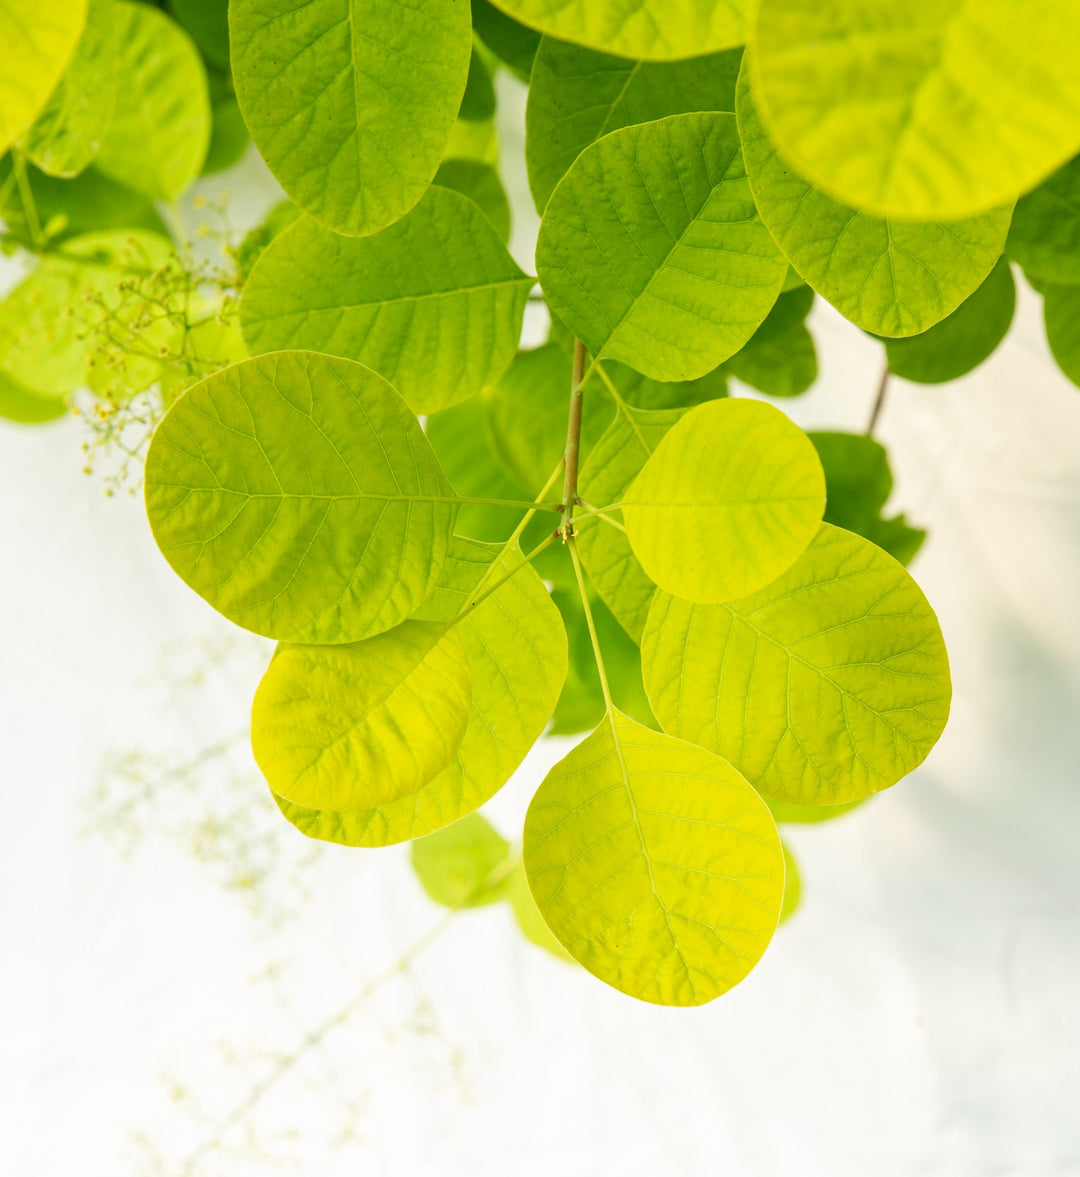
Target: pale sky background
{"points": [[917, 1018]]}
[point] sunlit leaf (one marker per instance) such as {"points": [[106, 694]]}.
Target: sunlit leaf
{"points": [[160, 128], [351, 102], [655, 864], [915, 108], [891, 277], [960, 343], [516, 650], [656, 30], [789, 814], [576, 95], [299, 496], [792, 885], [361, 725], [434, 303], [70, 130], [779, 358], [37, 40], [651, 249], [459, 866], [480, 182], [729, 499], [1044, 236], [826, 686], [528, 917]]}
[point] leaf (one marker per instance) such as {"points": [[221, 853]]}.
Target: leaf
{"points": [[889, 276], [792, 884], [960, 343], [858, 483], [276, 221], [478, 101], [207, 23], [784, 811], [455, 864], [528, 917], [918, 109], [228, 134], [608, 472], [362, 725], [576, 95], [657, 30], [826, 686], [351, 102], [68, 133], [434, 303], [653, 395], [728, 501], [651, 250], [516, 650], [160, 128], [513, 44], [24, 405], [37, 40], [297, 494], [1044, 236], [655, 864], [1061, 309], [480, 183], [779, 358]]}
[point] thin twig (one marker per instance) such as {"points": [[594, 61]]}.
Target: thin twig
{"points": [[879, 402]]}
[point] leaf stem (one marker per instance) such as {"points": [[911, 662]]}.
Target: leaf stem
{"points": [[573, 431], [528, 559], [593, 636], [26, 198], [879, 401]]}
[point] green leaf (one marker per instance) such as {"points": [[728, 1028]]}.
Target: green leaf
{"points": [[298, 495], [207, 23], [651, 250], [656, 30], [858, 483], [516, 650], [576, 95], [655, 864], [478, 101], [826, 686], [70, 130], [779, 359], [728, 501], [784, 811], [351, 102], [513, 44], [642, 393], [276, 221], [1061, 309], [608, 472], [362, 725], [792, 884], [228, 134], [889, 276], [434, 303], [960, 343], [37, 40], [528, 917], [24, 405], [160, 128], [455, 865], [1044, 236], [914, 108], [480, 183]]}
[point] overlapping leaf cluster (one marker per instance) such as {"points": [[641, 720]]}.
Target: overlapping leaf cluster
{"points": [[459, 544]]}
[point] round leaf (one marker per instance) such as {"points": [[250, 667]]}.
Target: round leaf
{"points": [[37, 41], [480, 183], [828, 685], [915, 108], [891, 277], [434, 303], [651, 249], [361, 725], [576, 95], [779, 359], [299, 496], [655, 864], [455, 865], [657, 30], [1044, 236], [160, 129], [956, 345], [1061, 308], [516, 650], [728, 501], [351, 102], [28, 407]]}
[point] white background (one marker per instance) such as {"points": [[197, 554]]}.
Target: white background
{"points": [[919, 1015]]}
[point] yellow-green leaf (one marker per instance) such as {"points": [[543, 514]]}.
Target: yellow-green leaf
{"points": [[459, 866], [826, 686], [297, 493], [361, 725], [655, 864], [728, 501], [918, 108], [37, 41]]}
